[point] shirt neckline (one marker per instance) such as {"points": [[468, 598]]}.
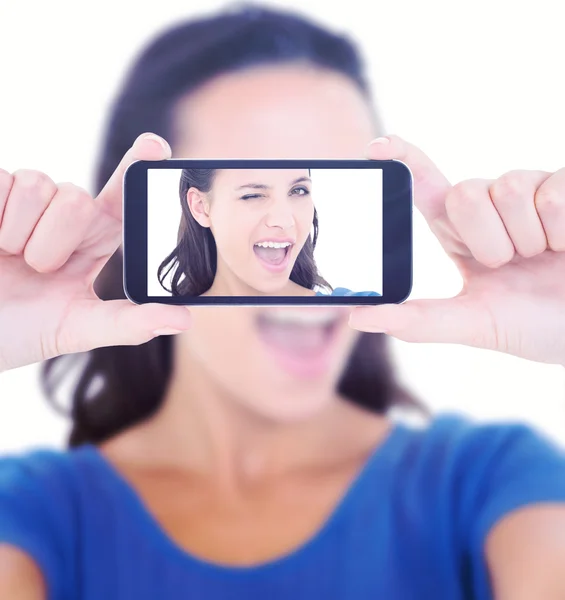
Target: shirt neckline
{"points": [[148, 523]]}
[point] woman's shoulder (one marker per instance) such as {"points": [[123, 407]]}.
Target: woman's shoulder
{"points": [[475, 473], [481, 471], [46, 480], [41, 483], [38, 510], [44, 464], [455, 439]]}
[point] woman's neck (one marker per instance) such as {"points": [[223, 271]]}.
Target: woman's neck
{"points": [[201, 429]]}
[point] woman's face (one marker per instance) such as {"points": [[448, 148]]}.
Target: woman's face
{"points": [[260, 220], [281, 363]]}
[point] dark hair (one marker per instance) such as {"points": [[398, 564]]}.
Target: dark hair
{"points": [[123, 385], [195, 255]]}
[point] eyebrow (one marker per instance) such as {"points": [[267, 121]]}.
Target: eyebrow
{"points": [[262, 186]]}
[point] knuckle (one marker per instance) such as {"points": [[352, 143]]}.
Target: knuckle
{"points": [[73, 191], [6, 181], [35, 183], [550, 201], [463, 196], [507, 188], [499, 260], [511, 183], [30, 178], [36, 263], [556, 239], [72, 194], [531, 250]]}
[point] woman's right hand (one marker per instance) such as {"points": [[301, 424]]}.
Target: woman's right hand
{"points": [[54, 241]]}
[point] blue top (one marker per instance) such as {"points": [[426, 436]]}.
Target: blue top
{"points": [[341, 291], [412, 524]]}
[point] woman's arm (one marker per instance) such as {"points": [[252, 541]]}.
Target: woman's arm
{"points": [[19, 576], [525, 553]]}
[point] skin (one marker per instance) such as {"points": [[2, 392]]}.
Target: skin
{"points": [[507, 238], [240, 444], [239, 215]]}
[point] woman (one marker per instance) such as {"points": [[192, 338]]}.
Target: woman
{"points": [[253, 454], [245, 232]]}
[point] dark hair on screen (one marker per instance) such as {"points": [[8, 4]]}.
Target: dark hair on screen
{"points": [[194, 259], [122, 385]]}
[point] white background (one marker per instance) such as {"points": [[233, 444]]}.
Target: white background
{"points": [[349, 206], [478, 86]]}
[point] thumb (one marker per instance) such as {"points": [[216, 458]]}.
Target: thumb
{"points": [[430, 184], [100, 323], [449, 320], [147, 146]]}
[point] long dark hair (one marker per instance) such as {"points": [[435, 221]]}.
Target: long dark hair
{"points": [[194, 258], [120, 386]]}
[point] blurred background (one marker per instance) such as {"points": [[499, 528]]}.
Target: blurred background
{"points": [[478, 87]]}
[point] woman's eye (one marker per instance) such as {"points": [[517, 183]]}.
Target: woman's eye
{"points": [[305, 190], [250, 196]]}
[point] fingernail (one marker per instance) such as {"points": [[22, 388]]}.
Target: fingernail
{"points": [[166, 331], [380, 140], [158, 139]]}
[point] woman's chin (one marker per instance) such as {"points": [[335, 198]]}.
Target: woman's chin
{"points": [[270, 286]]}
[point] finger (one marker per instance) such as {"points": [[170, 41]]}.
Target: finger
{"points": [[477, 222], [450, 320], [147, 146], [430, 185], [61, 228], [513, 197], [6, 182], [98, 323], [550, 205], [29, 197]]}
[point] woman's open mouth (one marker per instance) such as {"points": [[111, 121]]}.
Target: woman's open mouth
{"points": [[273, 255], [301, 339]]}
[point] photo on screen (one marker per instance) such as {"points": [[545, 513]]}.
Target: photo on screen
{"points": [[264, 231]]}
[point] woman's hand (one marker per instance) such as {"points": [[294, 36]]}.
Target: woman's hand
{"points": [[54, 241], [507, 238]]}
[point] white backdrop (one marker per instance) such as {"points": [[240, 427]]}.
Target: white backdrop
{"points": [[349, 206], [476, 86]]}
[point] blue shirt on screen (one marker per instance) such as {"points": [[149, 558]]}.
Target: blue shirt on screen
{"points": [[412, 524], [341, 291]]}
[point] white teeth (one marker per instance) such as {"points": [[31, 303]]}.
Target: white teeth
{"points": [[295, 317], [273, 244]]}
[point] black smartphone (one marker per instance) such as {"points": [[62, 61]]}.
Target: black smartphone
{"points": [[258, 232]]}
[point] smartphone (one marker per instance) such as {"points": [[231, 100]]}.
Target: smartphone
{"points": [[258, 232]]}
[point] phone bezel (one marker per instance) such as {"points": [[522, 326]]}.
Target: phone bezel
{"points": [[396, 219]]}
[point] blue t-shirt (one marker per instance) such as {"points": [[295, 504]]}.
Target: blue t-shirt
{"points": [[411, 525], [341, 291]]}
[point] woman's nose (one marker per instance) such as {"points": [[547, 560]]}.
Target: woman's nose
{"points": [[280, 214]]}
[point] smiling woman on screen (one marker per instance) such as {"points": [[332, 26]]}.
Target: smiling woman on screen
{"points": [[255, 454], [246, 232]]}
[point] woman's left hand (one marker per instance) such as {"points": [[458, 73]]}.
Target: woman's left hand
{"points": [[507, 238]]}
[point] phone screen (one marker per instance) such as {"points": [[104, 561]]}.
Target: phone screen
{"points": [[264, 232]]}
